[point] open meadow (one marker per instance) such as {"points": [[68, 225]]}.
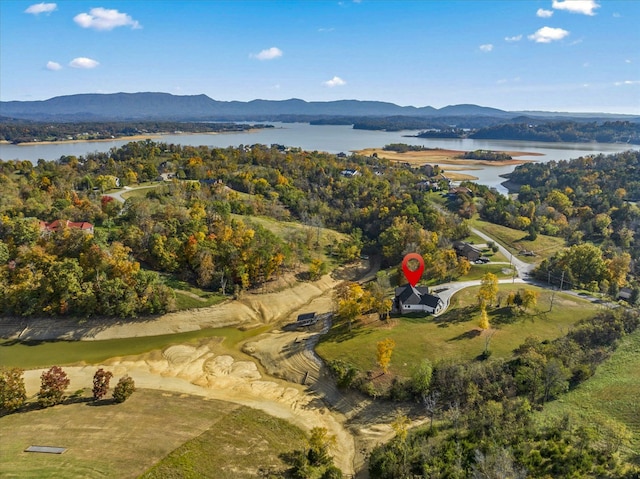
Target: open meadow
{"points": [[125, 440], [455, 334], [610, 398], [515, 240]]}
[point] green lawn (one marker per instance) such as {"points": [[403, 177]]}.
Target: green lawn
{"points": [[239, 443], [515, 240], [40, 354], [140, 191], [455, 334], [189, 296], [610, 399], [201, 437], [288, 229]]}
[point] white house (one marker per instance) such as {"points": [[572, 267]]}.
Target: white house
{"points": [[416, 299]]}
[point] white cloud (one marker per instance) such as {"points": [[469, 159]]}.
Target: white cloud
{"points": [[83, 62], [487, 47], [268, 54], [39, 8], [548, 35], [542, 13], [335, 81], [585, 7], [627, 82], [627, 61], [54, 66], [515, 38], [103, 19]]}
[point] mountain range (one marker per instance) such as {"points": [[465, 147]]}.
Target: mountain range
{"points": [[165, 106]]}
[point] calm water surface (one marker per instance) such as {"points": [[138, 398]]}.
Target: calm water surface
{"points": [[333, 139]]}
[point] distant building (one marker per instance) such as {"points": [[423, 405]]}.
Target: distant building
{"points": [[349, 173], [58, 225], [625, 293], [460, 190], [411, 299], [466, 250]]}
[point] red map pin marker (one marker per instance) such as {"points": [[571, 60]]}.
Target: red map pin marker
{"points": [[413, 276]]}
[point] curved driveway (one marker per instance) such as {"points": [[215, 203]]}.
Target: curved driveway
{"points": [[447, 290]]}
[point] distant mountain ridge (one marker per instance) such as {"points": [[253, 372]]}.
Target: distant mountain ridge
{"points": [[165, 106]]}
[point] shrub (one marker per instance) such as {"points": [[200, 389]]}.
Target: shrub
{"points": [[125, 388], [52, 386], [12, 391], [343, 372]]}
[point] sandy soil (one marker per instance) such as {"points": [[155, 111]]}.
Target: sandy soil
{"points": [[284, 378], [199, 371], [444, 157], [447, 160], [250, 310]]}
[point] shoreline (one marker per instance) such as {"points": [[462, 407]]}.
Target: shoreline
{"points": [[446, 157], [150, 136]]}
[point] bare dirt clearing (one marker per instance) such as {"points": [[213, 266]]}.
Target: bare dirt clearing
{"points": [[447, 157]]}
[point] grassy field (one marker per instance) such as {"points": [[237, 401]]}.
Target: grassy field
{"points": [[140, 191], [241, 442], [611, 398], [208, 439], [515, 240], [288, 229], [47, 353], [455, 334], [189, 296]]}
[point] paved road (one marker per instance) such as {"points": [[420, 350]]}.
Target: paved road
{"points": [[522, 268]]}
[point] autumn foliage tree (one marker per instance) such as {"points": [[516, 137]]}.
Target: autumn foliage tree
{"points": [[488, 289], [384, 352], [12, 390], [53, 384], [101, 383], [484, 318]]}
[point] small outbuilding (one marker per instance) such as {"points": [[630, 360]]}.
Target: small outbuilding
{"points": [[306, 319]]}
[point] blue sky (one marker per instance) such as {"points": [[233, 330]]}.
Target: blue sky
{"points": [[553, 55]]}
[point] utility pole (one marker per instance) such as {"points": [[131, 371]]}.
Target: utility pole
{"points": [[561, 281]]}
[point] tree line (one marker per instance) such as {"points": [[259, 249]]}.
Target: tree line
{"points": [[25, 131], [53, 384], [546, 131], [197, 225], [589, 201], [484, 410]]}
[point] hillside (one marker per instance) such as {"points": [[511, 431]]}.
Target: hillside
{"points": [[165, 106]]}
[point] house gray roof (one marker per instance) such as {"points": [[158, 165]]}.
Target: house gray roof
{"points": [[417, 295]]}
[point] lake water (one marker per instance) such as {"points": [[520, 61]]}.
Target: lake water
{"points": [[332, 139]]}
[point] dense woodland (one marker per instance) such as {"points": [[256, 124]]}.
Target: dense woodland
{"points": [[548, 131], [186, 227], [28, 131], [590, 201], [196, 225]]}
